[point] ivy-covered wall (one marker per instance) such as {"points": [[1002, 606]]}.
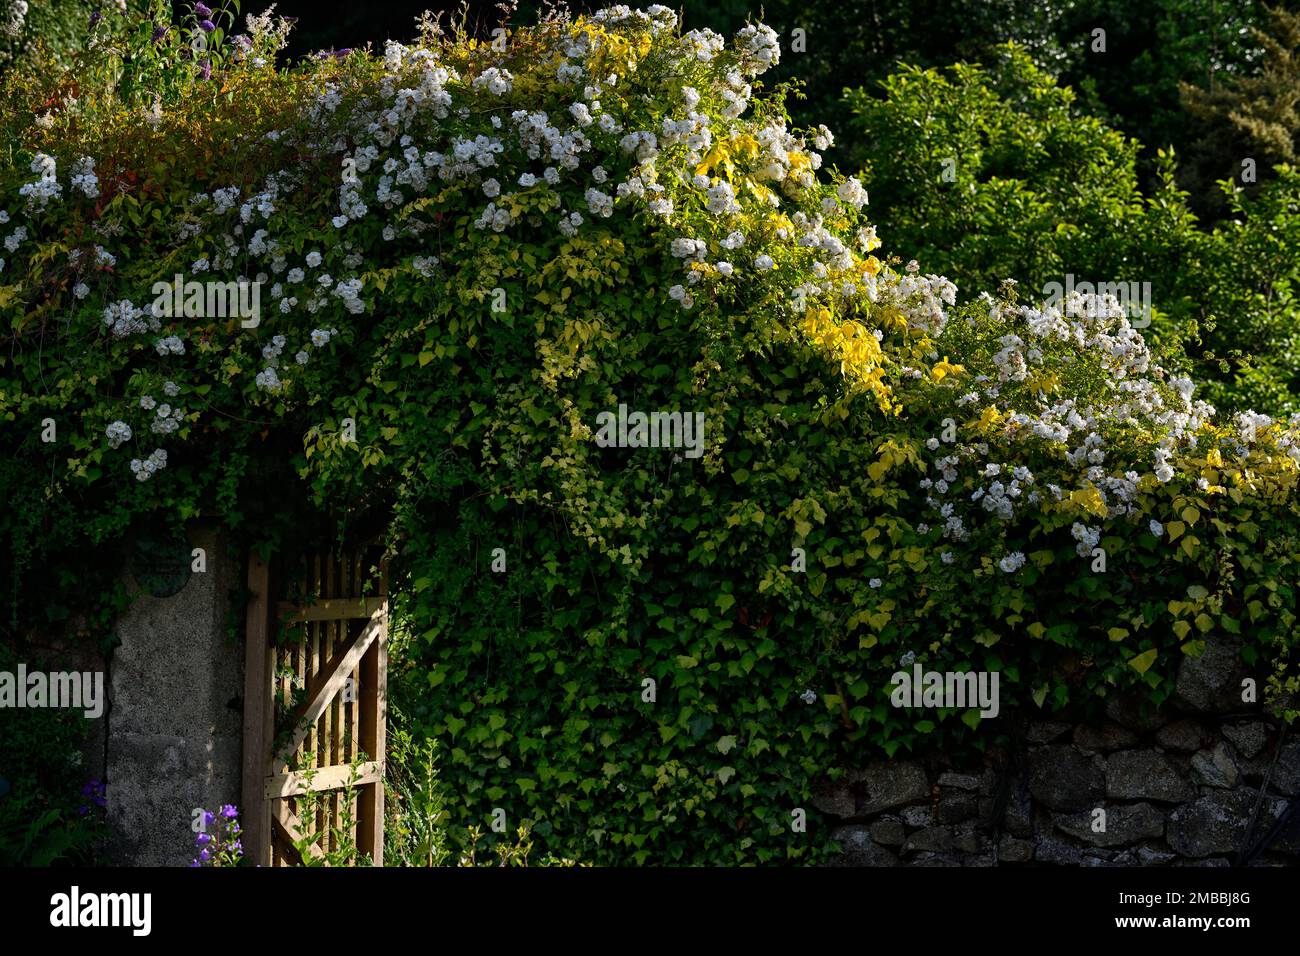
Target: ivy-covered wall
{"points": [[467, 256]]}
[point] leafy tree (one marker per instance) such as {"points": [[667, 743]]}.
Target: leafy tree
{"points": [[1259, 112], [991, 173], [59, 27]]}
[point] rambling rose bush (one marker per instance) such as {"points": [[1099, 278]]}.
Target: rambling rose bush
{"points": [[465, 255]]}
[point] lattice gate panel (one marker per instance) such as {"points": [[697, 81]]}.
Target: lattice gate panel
{"points": [[315, 713]]}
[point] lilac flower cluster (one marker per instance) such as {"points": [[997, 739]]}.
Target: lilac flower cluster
{"points": [[218, 841], [95, 793]]}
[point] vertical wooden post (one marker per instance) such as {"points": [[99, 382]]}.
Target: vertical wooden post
{"points": [[259, 714], [374, 732]]}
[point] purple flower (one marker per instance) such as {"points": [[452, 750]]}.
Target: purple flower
{"points": [[230, 811], [95, 790], [202, 10], [207, 26], [208, 817], [204, 855], [159, 32], [203, 839], [95, 17], [206, 69]]}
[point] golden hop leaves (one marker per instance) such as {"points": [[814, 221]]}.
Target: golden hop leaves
{"points": [[856, 348]]}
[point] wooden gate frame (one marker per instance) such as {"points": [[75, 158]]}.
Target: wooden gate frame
{"points": [[267, 780]]}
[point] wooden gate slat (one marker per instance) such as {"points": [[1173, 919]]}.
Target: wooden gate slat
{"points": [[259, 714], [331, 682], [291, 829], [293, 784]]}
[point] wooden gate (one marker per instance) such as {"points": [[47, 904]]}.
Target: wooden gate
{"points": [[315, 712]]}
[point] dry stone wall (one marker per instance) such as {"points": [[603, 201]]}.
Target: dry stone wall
{"points": [[1201, 782]]}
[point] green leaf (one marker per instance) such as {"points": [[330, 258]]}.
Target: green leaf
{"points": [[1142, 663]]}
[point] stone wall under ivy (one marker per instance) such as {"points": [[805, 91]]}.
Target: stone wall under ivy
{"points": [[1201, 781]]}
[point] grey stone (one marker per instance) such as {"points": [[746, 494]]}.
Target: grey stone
{"points": [[1134, 713], [1105, 738], [174, 743], [1215, 823], [1057, 853], [1288, 840], [934, 859], [934, 839], [1152, 856], [1284, 777], [1185, 735], [1018, 816], [1215, 768], [960, 781], [1248, 738], [860, 849], [918, 816], [1217, 861], [989, 782], [1013, 850], [1043, 732], [888, 832], [1065, 778], [888, 785], [955, 806], [1125, 824], [1211, 683], [836, 800], [1146, 775], [968, 839]]}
